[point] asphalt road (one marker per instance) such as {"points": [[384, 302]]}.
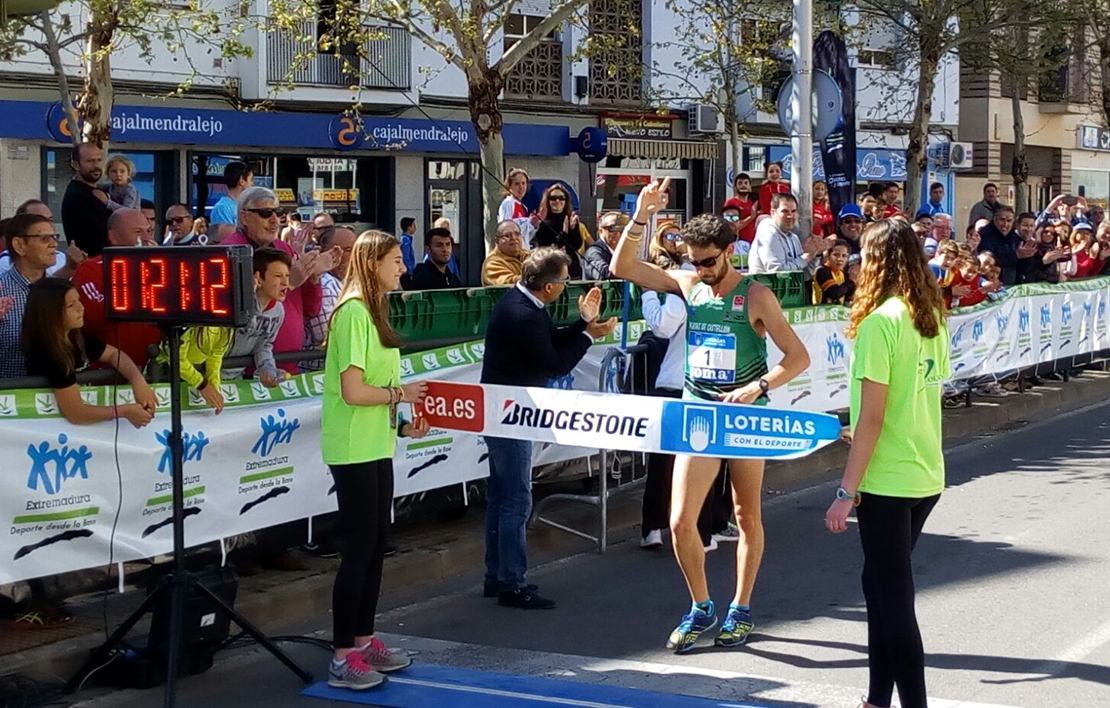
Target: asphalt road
{"points": [[1013, 576]]}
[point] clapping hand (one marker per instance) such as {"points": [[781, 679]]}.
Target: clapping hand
{"points": [[75, 256], [589, 305], [597, 330], [1027, 249], [653, 197], [302, 237]]}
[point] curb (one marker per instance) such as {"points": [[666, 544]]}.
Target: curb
{"points": [[454, 552]]}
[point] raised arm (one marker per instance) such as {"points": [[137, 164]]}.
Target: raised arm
{"points": [[626, 263]]}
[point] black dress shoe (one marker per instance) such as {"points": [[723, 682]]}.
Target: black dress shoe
{"points": [[525, 600], [492, 591]]}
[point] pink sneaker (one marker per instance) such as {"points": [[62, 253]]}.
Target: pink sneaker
{"points": [[354, 674], [382, 659]]}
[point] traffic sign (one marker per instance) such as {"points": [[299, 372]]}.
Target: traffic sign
{"points": [[827, 102]]}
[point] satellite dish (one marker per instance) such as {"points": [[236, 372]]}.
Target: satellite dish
{"points": [[827, 104]]}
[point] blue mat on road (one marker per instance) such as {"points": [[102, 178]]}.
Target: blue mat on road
{"points": [[430, 686]]}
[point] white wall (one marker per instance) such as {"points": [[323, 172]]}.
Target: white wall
{"points": [[19, 178], [165, 67]]}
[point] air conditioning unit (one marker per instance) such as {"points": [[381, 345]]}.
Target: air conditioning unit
{"points": [[705, 119], [954, 156]]}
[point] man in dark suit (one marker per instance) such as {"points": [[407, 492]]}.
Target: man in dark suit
{"points": [[524, 348]]}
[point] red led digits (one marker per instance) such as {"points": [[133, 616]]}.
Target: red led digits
{"points": [[120, 294], [184, 286], [149, 287], [210, 291]]}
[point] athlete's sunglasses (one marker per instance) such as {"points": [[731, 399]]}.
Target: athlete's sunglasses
{"points": [[707, 262]]}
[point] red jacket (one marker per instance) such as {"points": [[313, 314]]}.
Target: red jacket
{"points": [[768, 190], [300, 303], [132, 338]]}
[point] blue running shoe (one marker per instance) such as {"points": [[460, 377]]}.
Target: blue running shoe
{"points": [[693, 625], [735, 629]]}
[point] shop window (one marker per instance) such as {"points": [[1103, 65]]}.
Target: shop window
{"points": [[616, 69], [540, 74], [1094, 185]]}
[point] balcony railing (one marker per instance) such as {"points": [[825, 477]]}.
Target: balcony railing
{"points": [[295, 54]]}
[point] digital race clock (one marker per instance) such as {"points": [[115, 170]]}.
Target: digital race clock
{"points": [[180, 285]]}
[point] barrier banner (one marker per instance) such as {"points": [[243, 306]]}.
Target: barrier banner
{"points": [[626, 422], [258, 463], [1027, 325]]}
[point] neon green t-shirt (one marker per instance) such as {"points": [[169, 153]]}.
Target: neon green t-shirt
{"points": [[909, 457], [350, 434]]}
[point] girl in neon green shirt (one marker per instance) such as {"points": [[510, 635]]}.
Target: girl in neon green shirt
{"points": [[895, 470], [359, 428]]}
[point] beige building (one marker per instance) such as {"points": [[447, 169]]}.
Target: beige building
{"points": [[1067, 145]]}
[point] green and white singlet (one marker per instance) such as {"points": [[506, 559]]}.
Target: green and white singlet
{"points": [[723, 351]]}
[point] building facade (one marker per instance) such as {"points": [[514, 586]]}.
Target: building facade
{"points": [[415, 152], [1067, 148]]}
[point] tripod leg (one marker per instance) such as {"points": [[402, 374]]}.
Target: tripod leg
{"points": [[256, 634], [100, 654]]}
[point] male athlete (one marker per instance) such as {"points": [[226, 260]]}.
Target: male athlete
{"points": [[730, 366]]}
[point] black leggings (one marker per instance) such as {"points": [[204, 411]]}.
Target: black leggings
{"points": [[365, 494], [889, 528]]}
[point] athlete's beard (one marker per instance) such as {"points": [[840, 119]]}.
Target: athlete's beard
{"points": [[715, 278], [744, 195]]}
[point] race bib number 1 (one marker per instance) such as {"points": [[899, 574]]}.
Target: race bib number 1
{"points": [[711, 357]]}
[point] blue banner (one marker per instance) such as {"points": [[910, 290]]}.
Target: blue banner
{"points": [[176, 126], [755, 432]]}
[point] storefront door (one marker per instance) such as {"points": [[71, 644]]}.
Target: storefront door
{"points": [[454, 193]]}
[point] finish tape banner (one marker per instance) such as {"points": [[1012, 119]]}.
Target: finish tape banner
{"points": [[626, 422]]}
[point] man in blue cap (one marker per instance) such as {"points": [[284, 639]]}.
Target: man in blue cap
{"points": [[850, 226]]}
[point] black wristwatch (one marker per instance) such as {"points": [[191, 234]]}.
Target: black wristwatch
{"points": [[764, 386]]}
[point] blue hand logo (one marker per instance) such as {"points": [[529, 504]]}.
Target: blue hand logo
{"points": [[68, 463], [275, 431]]}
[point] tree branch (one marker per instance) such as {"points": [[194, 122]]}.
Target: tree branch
{"points": [[552, 22]]}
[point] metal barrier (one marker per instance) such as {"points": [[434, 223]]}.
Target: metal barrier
{"points": [[617, 365]]}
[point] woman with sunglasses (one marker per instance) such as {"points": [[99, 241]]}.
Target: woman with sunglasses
{"points": [[895, 470], [559, 227], [667, 250]]}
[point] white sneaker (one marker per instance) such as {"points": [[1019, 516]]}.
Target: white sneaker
{"points": [[730, 534], [712, 545], [654, 539]]}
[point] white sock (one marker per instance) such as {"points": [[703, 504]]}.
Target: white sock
{"points": [[339, 662]]}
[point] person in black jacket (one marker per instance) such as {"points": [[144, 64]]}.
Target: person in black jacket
{"points": [[434, 273], [600, 255], [1008, 247], [85, 207], [559, 227], [524, 348]]}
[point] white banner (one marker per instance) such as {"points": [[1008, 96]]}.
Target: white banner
{"points": [[258, 463], [626, 422]]}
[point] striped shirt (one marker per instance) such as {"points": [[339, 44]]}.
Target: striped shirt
{"points": [[12, 362]]}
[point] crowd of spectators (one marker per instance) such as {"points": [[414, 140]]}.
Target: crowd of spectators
{"points": [[300, 264]]}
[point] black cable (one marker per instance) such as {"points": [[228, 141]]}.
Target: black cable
{"points": [[119, 481]]}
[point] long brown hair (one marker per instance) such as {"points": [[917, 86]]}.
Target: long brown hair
{"points": [[894, 265], [362, 281], [545, 200], [44, 333], [657, 249]]}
